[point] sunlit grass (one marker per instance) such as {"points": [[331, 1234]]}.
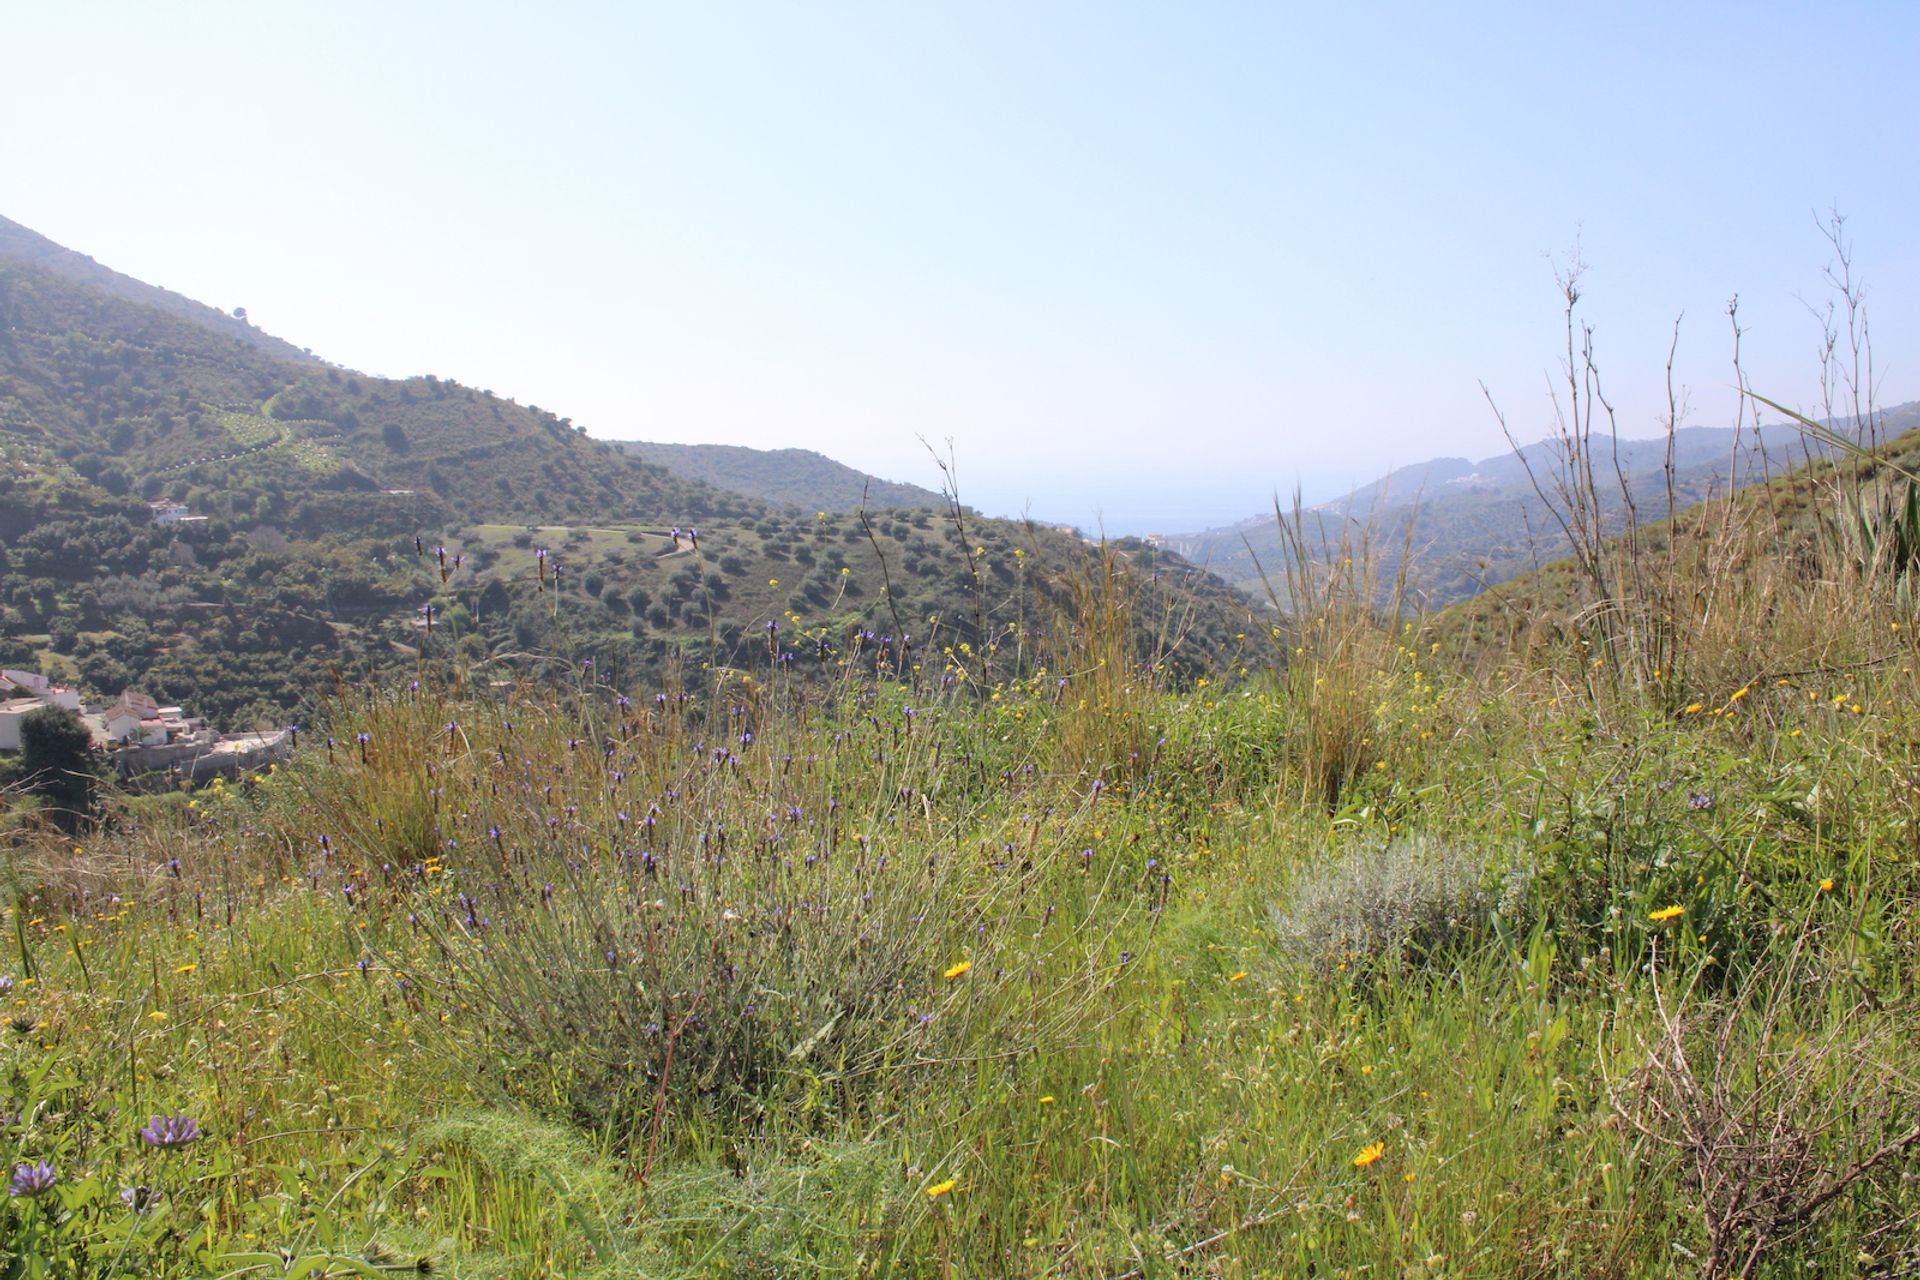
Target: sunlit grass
{"points": [[918, 972]]}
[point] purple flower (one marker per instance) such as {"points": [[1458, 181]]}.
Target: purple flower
{"points": [[30, 1180], [170, 1132], [139, 1198], [1699, 800]]}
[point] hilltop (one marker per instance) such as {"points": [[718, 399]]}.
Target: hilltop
{"points": [[21, 245], [798, 478]]}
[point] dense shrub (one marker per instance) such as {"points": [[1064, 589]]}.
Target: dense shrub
{"points": [[1384, 909]]}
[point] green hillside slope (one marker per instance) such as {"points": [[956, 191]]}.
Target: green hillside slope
{"points": [[319, 496], [799, 478]]}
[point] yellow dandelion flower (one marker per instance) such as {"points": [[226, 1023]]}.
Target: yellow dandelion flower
{"points": [[158, 1015], [1694, 708], [1369, 1154], [1665, 914], [939, 1189], [955, 970], [1826, 886], [1046, 1099]]}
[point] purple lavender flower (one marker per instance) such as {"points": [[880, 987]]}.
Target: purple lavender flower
{"points": [[1699, 800], [30, 1180], [170, 1132]]}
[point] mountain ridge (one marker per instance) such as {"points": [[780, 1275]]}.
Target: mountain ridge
{"points": [[1472, 524], [802, 479], [23, 244]]}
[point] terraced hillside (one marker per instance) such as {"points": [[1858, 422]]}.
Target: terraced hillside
{"points": [[324, 491]]}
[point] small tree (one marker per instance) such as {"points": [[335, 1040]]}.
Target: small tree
{"points": [[59, 764]]}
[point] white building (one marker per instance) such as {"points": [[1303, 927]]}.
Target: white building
{"points": [[13, 712], [31, 684], [137, 720], [167, 511]]}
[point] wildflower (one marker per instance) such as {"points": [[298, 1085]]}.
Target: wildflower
{"points": [[955, 970], [1826, 886], [139, 1198], [1665, 914], [1699, 800], [1369, 1154], [30, 1180], [158, 1015], [1047, 1099], [939, 1189], [1238, 976], [170, 1132]]}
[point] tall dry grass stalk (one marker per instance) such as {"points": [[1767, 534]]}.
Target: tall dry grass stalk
{"points": [[1339, 629], [1792, 577]]}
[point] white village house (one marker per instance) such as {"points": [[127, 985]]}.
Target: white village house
{"points": [[137, 720], [21, 694]]}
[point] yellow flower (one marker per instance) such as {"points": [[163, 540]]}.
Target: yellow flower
{"points": [[1694, 709], [158, 1015], [1826, 886], [1369, 1153], [1238, 976], [1046, 1099], [955, 970], [1665, 914], [184, 968], [939, 1189]]}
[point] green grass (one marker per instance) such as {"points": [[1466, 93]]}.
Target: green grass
{"points": [[1034, 966], [1135, 1075]]}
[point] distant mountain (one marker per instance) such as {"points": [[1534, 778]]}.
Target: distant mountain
{"points": [[1470, 525], [797, 478], [21, 245], [1805, 517]]}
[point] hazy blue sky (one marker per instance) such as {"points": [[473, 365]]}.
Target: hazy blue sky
{"points": [[1151, 261]]}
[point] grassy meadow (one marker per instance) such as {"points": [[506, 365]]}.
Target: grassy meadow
{"points": [[1404, 946]]}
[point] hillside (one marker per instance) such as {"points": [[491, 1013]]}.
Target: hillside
{"points": [[1471, 524], [20, 245], [1813, 523], [1383, 963], [319, 493], [797, 478]]}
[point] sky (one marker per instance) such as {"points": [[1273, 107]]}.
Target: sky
{"points": [[1138, 267]]}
